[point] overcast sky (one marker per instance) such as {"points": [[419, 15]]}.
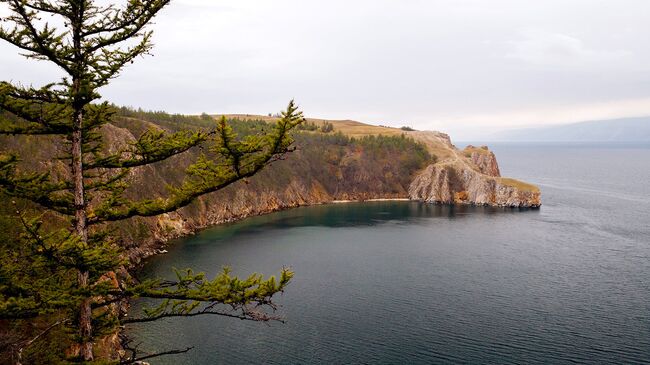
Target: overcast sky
{"points": [[466, 67]]}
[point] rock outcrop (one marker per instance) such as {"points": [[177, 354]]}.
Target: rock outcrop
{"points": [[471, 176], [484, 159], [457, 184]]}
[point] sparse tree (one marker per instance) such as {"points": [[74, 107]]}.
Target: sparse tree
{"points": [[327, 127], [68, 272]]}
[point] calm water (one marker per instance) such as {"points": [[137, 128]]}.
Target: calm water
{"points": [[404, 282]]}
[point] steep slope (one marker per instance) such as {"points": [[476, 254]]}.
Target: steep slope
{"points": [[325, 167], [470, 176], [354, 162]]}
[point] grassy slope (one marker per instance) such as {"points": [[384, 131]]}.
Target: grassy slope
{"points": [[523, 186]]}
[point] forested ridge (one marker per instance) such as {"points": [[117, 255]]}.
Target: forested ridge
{"points": [[324, 166]]}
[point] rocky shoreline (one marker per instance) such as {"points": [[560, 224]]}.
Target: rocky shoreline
{"points": [[161, 237], [470, 176], [161, 242], [462, 177]]}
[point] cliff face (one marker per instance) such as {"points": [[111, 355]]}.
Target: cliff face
{"points": [[471, 176], [484, 159], [420, 165], [324, 168], [449, 184]]}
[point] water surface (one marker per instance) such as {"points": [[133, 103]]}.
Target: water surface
{"points": [[405, 282]]}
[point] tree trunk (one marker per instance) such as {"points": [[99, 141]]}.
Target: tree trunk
{"points": [[85, 314], [81, 228]]}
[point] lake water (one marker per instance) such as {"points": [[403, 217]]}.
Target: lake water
{"points": [[405, 282]]}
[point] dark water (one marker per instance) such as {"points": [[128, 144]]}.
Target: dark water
{"points": [[403, 282]]}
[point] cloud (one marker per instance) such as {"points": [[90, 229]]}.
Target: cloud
{"points": [[428, 63], [559, 51], [479, 126]]}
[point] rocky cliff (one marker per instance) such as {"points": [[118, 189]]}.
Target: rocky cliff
{"points": [[325, 167], [471, 176], [355, 162], [484, 159], [329, 167]]}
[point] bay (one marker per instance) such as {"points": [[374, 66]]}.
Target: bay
{"points": [[409, 282]]}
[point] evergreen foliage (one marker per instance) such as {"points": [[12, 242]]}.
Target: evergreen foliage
{"points": [[308, 126], [371, 164], [327, 127], [63, 278]]}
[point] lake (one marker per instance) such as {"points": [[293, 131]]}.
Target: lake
{"points": [[407, 282]]}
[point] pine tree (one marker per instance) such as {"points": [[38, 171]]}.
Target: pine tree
{"points": [[67, 273]]}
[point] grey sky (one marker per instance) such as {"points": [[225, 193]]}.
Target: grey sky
{"points": [[460, 66]]}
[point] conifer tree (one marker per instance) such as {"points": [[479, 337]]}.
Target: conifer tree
{"points": [[66, 273]]}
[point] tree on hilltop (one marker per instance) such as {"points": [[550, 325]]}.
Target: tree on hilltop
{"points": [[65, 274]]}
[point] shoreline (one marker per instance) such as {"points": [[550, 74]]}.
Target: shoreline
{"points": [[159, 245]]}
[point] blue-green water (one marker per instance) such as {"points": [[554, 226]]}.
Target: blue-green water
{"points": [[405, 282]]}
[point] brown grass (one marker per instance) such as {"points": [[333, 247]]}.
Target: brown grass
{"points": [[518, 184], [353, 128], [483, 150], [348, 127]]}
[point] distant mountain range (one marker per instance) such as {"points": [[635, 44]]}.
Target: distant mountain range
{"points": [[611, 130]]}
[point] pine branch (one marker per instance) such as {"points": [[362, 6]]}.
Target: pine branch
{"points": [[245, 316], [111, 183], [25, 36], [28, 111], [109, 63], [130, 26], [152, 146], [65, 270], [13, 130], [46, 94], [47, 7], [205, 176], [184, 297], [39, 271], [113, 20], [125, 342], [26, 344], [35, 187]]}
